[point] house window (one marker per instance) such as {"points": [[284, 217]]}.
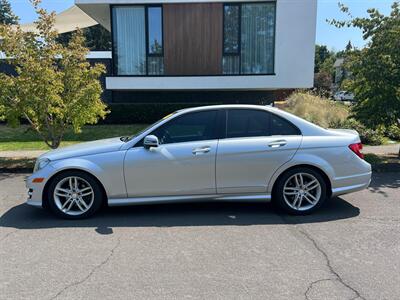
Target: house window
{"points": [[155, 31], [155, 60], [138, 40], [231, 29], [249, 34], [130, 40], [231, 60]]}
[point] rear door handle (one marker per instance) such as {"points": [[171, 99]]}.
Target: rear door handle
{"points": [[277, 144], [201, 150]]}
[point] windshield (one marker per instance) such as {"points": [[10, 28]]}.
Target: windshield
{"points": [[148, 127]]}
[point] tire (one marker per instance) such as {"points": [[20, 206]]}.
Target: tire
{"points": [[74, 195], [292, 194]]}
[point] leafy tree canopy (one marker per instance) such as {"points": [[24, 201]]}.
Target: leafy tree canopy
{"points": [[375, 71], [56, 87], [6, 14], [322, 55]]}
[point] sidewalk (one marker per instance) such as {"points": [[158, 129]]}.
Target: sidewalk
{"points": [[21, 154], [382, 150]]}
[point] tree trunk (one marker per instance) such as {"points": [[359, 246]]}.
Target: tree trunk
{"points": [[55, 143]]}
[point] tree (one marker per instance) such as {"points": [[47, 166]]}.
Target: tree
{"points": [[6, 14], [322, 56], [323, 83], [375, 71], [56, 88], [349, 46]]}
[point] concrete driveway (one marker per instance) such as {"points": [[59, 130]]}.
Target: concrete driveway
{"points": [[349, 250]]}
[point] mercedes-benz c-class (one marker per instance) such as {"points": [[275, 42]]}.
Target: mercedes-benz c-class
{"points": [[214, 153]]}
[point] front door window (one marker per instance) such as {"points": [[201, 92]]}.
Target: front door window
{"points": [[191, 127]]}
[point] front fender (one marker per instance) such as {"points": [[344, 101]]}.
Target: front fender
{"points": [[76, 163], [107, 168]]}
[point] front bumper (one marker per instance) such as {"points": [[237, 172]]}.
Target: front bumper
{"points": [[35, 189]]}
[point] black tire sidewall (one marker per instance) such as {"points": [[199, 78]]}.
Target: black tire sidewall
{"points": [[98, 194], [279, 200]]}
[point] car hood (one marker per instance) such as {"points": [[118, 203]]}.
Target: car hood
{"points": [[82, 149]]}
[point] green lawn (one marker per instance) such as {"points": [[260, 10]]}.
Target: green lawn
{"points": [[23, 138]]}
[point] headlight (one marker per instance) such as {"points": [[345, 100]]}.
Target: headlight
{"points": [[40, 164]]}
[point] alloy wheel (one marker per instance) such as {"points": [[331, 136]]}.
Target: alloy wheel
{"points": [[302, 191], [73, 195]]}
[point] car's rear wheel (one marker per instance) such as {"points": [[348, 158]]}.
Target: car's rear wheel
{"points": [[300, 191], [74, 195]]}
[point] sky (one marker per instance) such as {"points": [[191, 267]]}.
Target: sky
{"points": [[336, 39]]}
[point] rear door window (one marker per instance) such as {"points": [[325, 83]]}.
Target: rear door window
{"points": [[247, 123]]}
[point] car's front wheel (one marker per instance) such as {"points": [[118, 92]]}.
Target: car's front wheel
{"points": [[300, 191], [74, 195]]}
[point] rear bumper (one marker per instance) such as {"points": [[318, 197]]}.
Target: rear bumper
{"points": [[350, 184]]}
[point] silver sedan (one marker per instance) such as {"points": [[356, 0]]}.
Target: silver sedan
{"points": [[219, 153]]}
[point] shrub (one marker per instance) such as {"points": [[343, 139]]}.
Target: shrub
{"points": [[327, 113], [316, 109], [393, 132], [143, 113], [367, 136]]}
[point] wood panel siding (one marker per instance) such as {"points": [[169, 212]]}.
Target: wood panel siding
{"points": [[193, 39]]}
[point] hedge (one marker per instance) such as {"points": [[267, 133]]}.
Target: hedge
{"points": [[143, 113]]}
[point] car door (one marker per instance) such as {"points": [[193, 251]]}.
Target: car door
{"points": [[256, 144], [183, 163]]}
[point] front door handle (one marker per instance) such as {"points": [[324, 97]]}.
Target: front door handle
{"points": [[277, 144], [201, 150]]}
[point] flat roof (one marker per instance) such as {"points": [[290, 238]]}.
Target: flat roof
{"points": [[67, 21]]}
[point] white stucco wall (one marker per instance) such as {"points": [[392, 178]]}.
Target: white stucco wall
{"points": [[294, 53]]}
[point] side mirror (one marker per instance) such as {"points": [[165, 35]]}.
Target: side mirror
{"points": [[150, 141]]}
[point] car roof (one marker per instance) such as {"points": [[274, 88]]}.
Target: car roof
{"points": [[228, 106]]}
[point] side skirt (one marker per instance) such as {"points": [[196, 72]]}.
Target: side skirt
{"points": [[189, 198]]}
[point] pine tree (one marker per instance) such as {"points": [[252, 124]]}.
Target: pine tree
{"points": [[6, 14], [349, 46]]}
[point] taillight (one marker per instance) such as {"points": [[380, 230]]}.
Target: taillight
{"points": [[356, 148]]}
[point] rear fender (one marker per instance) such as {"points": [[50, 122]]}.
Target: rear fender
{"points": [[303, 159]]}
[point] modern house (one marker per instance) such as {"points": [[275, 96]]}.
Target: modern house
{"points": [[206, 51]]}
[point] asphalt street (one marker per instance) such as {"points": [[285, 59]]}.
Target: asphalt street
{"points": [[348, 250]]}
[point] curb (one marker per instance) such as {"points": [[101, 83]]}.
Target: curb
{"points": [[16, 170]]}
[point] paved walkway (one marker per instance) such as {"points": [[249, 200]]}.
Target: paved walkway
{"points": [[22, 153], [382, 150]]}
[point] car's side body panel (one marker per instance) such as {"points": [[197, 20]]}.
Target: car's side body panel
{"points": [[335, 159], [171, 169], [253, 197], [106, 167], [245, 165]]}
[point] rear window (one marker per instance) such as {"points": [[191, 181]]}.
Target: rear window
{"points": [[280, 126]]}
